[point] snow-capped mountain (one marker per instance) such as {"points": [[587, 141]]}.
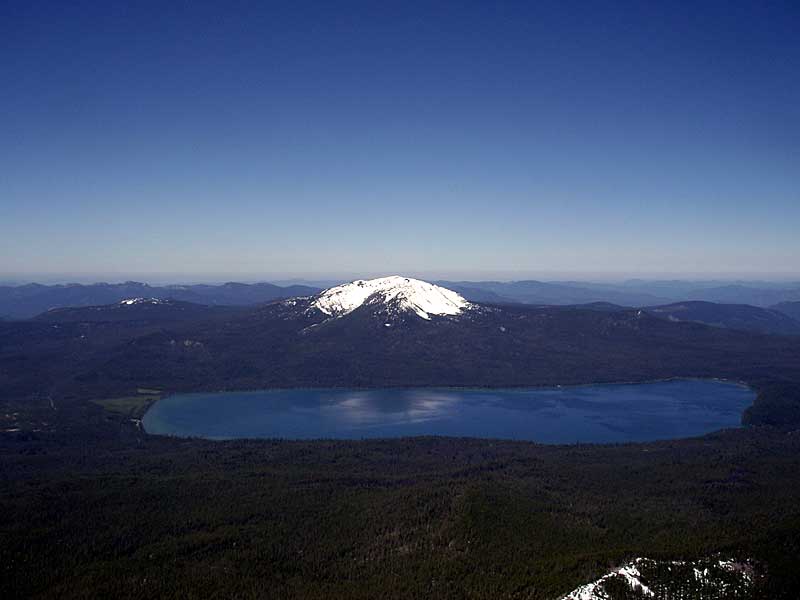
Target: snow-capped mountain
{"points": [[396, 294]]}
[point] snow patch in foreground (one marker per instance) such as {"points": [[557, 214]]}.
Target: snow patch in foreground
{"points": [[631, 573], [595, 591]]}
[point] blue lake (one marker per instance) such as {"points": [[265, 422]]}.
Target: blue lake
{"points": [[593, 413]]}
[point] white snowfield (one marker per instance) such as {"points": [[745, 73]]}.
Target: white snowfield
{"points": [[403, 293], [132, 301], [594, 590], [632, 575]]}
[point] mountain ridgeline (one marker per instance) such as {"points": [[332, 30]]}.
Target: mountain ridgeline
{"points": [[629, 293], [25, 301], [388, 332], [133, 310]]}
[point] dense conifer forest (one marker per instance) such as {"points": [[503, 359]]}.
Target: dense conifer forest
{"points": [[99, 505], [92, 504]]}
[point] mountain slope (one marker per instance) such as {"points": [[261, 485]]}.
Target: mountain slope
{"points": [[791, 309], [291, 344], [381, 342], [733, 316], [746, 294], [136, 309]]}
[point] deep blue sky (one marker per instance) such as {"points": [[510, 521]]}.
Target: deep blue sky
{"points": [[252, 138]]}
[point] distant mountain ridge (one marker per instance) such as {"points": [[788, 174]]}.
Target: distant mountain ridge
{"points": [[144, 310], [29, 300], [743, 294], [628, 293], [550, 293]]}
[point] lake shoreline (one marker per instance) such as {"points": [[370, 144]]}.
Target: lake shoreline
{"points": [[582, 413], [738, 382]]}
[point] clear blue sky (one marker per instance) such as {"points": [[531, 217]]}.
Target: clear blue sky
{"points": [[473, 139]]}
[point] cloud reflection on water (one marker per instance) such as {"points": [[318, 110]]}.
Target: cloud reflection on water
{"points": [[374, 408]]}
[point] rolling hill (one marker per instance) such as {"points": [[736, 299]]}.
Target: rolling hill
{"points": [[732, 316], [792, 309]]}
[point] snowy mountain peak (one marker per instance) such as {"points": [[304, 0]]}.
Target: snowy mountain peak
{"points": [[397, 293]]}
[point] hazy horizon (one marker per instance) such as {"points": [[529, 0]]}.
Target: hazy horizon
{"points": [[322, 279]]}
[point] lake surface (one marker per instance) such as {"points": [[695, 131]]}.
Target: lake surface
{"points": [[593, 413]]}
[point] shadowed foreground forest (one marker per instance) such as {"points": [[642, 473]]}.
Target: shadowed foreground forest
{"points": [[103, 509], [91, 505]]}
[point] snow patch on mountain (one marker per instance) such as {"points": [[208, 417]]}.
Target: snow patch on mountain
{"points": [[135, 301], [399, 293]]}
